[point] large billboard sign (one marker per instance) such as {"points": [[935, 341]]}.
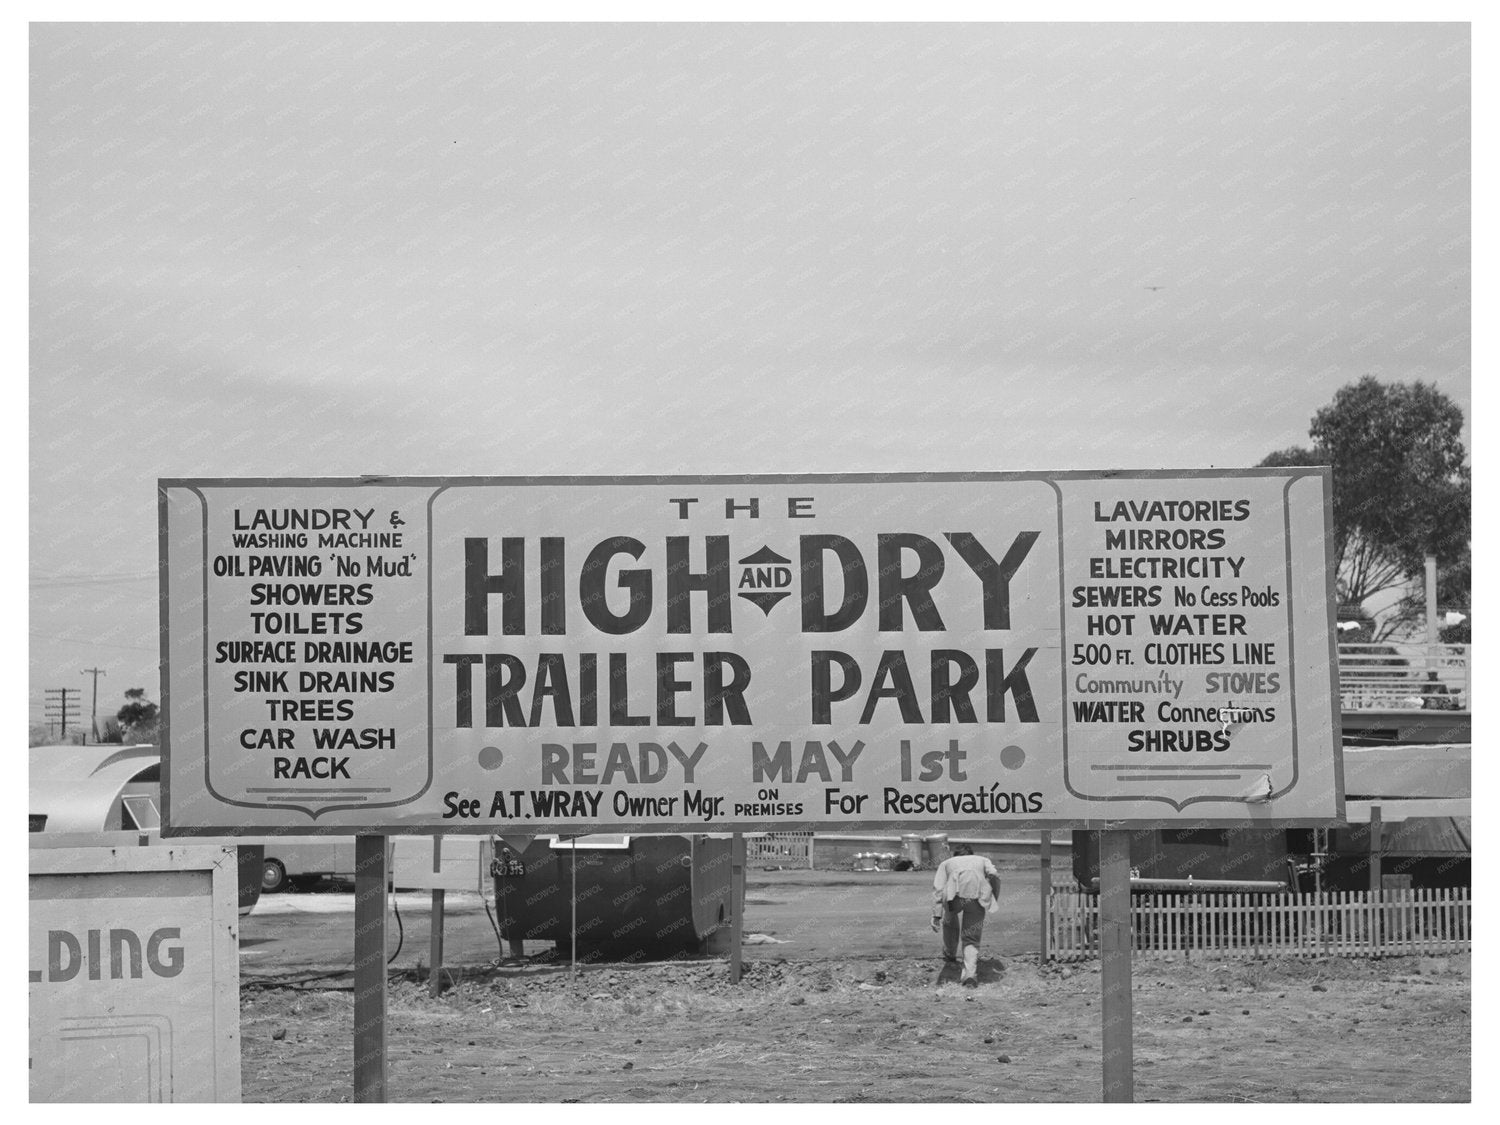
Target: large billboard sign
{"points": [[393, 655]]}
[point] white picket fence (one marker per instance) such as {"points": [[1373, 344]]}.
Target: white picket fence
{"points": [[1326, 924], [779, 849]]}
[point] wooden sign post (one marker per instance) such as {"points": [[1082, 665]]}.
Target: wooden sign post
{"points": [[737, 907], [1046, 893], [369, 968], [1114, 945], [435, 952], [435, 958]]}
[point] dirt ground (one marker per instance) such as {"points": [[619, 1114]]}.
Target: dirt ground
{"points": [[814, 1021]]}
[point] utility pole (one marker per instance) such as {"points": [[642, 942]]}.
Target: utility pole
{"points": [[60, 708], [94, 714]]}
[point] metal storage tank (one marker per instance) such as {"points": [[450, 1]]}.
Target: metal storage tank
{"points": [[638, 897]]}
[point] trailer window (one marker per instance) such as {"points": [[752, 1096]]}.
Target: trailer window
{"points": [[140, 813]]}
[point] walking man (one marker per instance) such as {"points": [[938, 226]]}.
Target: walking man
{"points": [[963, 889]]}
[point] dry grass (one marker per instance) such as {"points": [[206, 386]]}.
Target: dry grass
{"points": [[852, 1031]]}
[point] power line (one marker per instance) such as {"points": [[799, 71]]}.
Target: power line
{"points": [[81, 641], [48, 581], [71, 574]]}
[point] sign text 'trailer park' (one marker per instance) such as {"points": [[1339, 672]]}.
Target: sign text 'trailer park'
{"points": [[754, 653]]}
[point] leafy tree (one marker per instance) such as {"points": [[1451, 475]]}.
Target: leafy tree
{"points": [[138, 717], [1401, 486]]}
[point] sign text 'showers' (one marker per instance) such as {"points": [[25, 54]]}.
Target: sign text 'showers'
{"points": [[753, 653]]}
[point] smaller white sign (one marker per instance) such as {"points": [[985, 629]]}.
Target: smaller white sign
{"points": [[134, 971], [441, 863]]}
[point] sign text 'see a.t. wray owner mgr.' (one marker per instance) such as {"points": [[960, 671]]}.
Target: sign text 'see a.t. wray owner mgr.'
{"points": [[491, 655]]}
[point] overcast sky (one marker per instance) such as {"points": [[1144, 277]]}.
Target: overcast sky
{"points": [[465, 249]]}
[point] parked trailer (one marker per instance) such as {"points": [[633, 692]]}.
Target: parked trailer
{"points": [[1425, 844], [106, 788], [633, 897], [1422, 792], [99, 788], [106, 796], [1243, 855]]}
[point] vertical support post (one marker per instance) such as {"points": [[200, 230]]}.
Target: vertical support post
{"points": [[369, 968], [573, 851], [1430, 567], [1376, 884], [435, 982], [435, 959], [1431, 662], [737, 907], [1318, 853], [1114, 941], [1046, 863]]}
